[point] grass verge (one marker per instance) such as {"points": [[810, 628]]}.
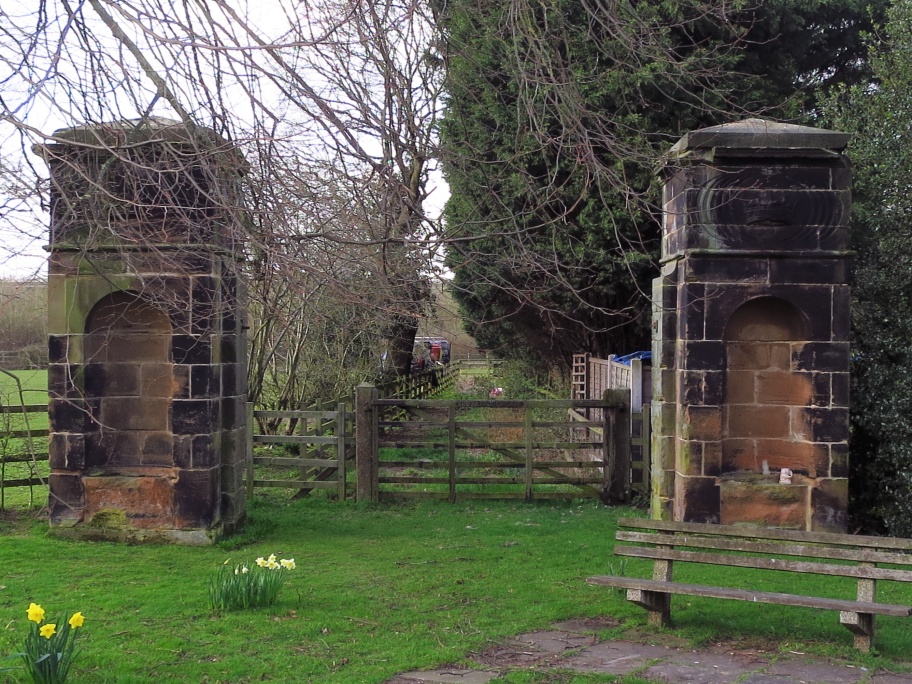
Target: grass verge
{"points": [[378, 590]]}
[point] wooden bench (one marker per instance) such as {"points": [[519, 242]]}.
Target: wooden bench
{"points": [[820, 553]]}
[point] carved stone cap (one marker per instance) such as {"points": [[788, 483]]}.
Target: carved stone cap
{"points": [[128, 133], [760, 134]]}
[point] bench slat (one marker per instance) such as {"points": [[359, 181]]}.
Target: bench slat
{"points": [[855, 571], [770, 547], [852, 540], [753, 596]]}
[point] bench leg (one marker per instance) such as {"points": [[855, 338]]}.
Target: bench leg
{"points": [[657, 603], [862, 626]]}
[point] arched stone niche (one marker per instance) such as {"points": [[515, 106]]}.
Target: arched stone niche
{"points": [[764, 397], [129, 373]]}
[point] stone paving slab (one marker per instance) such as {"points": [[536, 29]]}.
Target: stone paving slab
{"points": [[564, 648], [446, 676]]}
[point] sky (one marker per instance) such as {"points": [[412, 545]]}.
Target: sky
{"points": [[48, 81]]}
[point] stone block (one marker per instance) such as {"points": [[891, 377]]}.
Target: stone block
{"points": [[58, 348], [739, 454], [65, 381], [157, 449], [190, 349], [120, 380], [196, 498], [828, 424], [204, 381], [725, 269], [229, 349], [157, 379], [762, 208], [839, 460], [690, 389], [764, 504], [57, 449], [703, 355], [182, 451], [830, 503], [840, 387], [67, 415], [817, 271], [205, 454], [231, 385], [135, 413], [781, 356], [712, 458], [747, 355], [134, 348], [740, 387], [801, 457], [192, 416], [143, 502], [780, 387], [181, 381], [702, 423], [696, 499], [758, 421], [689, 457], [842, 319], [67, 501]]}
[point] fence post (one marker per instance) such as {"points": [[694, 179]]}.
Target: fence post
{"points": [[340, 448], [249, 447], [366, 456], [527, 419], [617, 441]]}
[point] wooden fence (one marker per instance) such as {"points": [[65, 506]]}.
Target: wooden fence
{"points": [[321, 437], [536, 459], [17, 449]]}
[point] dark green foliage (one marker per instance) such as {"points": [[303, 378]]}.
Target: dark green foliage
{"points": [[556, 117], [881, 152]]}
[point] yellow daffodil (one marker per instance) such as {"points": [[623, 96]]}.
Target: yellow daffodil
{"points": [[261, 561], [47, 631], [35, 612], [271, 565], [77, 620], [288, 564], [272, 558]]}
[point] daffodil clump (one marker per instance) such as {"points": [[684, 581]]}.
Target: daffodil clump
{"points": [[235, 587], [50, 646]]}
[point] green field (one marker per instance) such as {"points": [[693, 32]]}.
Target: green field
{"points": [[33, 383]]}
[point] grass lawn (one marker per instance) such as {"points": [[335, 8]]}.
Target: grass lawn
{"points": [[378, 590]]}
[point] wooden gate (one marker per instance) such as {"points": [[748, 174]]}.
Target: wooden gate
{"points": [[321, 441], [492, 449]]}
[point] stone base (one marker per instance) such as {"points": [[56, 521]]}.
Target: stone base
{"points": [[764, 503], [137, 536]]}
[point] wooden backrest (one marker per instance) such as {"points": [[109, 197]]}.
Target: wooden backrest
{"points": [[847, 555]]}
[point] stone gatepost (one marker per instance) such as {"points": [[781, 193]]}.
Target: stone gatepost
{"points": [[750, 329], [147, 374]]}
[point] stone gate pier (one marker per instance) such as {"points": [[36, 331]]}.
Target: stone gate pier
{"points": [[147, 376], [750, 329]]}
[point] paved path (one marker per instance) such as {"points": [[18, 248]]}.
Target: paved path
{"points": [[568, 647]]}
